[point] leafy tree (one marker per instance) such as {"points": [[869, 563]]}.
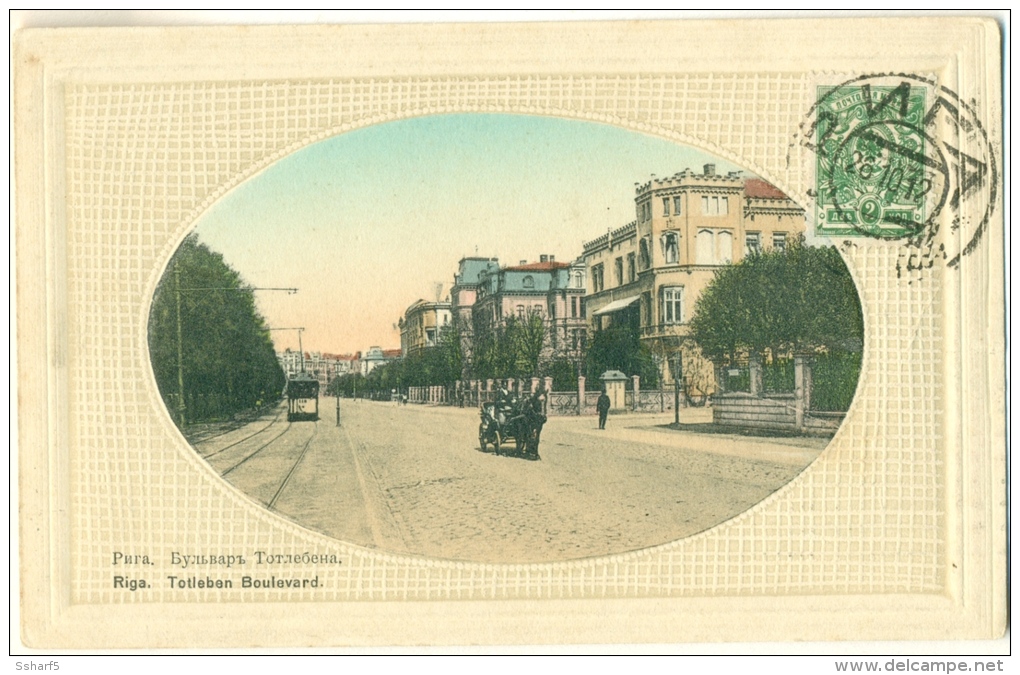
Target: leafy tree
{"points": [[619, 347], [526, 340], [513, 347], [781, 303], [227, 356], [564, 375], [802, 300]]}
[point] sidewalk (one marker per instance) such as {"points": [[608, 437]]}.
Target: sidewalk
{"points": [[655, 429]]}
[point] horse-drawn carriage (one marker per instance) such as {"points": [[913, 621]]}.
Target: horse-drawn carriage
{"points": [[514, 420]]}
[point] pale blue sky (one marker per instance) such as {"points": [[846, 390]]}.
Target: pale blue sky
{"points": [[367, 222]]}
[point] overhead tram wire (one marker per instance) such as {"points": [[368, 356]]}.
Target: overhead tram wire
{"points": [[180, 334]]}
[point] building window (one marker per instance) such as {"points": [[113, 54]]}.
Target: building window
{"points": [[520, 311], [706, 247], [619, 271], [715, 206], [598, 282], [779, 241], [584, 309], [646, 309], [631, 270], [537, 310], [671, 247], [752, 243], [724, 240], [676, 205], [665, 206], [673, 305], [529, 281], [645, 259], [573, 307]]}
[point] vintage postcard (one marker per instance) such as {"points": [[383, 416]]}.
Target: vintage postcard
{"points": [[481, 334]]}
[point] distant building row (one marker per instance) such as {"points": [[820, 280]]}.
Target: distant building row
{"points": [[325, 367], [647, 275]]}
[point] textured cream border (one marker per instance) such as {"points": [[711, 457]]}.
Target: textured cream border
{"points": [[50, 65]]}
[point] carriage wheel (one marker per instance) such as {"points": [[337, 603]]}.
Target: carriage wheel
{"points": [[496, 442]]}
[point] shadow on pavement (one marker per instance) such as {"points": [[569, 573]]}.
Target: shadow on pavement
{"points": [[710, 428]]}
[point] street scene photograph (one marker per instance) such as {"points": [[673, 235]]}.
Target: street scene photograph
{"points": [[506, 338]]}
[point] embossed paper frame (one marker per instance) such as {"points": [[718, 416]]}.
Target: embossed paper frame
{"points": [[124, 136]]}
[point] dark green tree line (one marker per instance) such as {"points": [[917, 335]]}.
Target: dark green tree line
{"points": [[227, 356]]}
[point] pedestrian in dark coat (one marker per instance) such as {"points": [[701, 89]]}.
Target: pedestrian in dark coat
{"points": [[603, 407]]}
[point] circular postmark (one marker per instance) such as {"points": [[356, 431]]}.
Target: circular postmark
{"points": [[898, 156]]}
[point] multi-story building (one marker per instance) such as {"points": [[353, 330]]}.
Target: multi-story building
{"points": [[463, 295], [649, 273], [373, 357], [421, 325], [321, 365], [547, 288]]}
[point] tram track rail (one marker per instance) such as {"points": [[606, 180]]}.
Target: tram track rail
{"points": [[200, 437], [257, 450], [297, 463], [242, 440]]}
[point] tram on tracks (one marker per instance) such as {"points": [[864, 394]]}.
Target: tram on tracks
{"points": [[302, 398]]}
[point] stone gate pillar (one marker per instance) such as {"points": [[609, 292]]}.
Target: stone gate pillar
{"points": [[754, 367], [801, 375], [636, 379], [580, 394]]}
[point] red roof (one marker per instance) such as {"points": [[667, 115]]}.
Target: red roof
{"points": [[339, 357], [392, 353], [538, 267], [761, 189]]}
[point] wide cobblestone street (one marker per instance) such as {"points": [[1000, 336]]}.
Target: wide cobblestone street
{"points": [[411, 479]]}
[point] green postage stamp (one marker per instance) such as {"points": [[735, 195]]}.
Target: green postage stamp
{"points": [[873, 177]]}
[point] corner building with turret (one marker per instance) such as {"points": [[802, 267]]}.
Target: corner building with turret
{"points": [[648, 274]]}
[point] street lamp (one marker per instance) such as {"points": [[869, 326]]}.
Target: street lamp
{"points": [[180, 331]]}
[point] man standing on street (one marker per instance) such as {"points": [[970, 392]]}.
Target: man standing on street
{"points": [[603, 407]]}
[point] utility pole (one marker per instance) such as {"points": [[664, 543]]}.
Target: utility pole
{"points": [[180, 329]]}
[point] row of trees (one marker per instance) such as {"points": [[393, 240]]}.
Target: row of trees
{"points": [[226, 361], [772, 304], [516, 348]]}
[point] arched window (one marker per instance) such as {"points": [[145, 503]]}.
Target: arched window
{"points": [[671, 247], [724, 242], [706, 247], [529, 281]]}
